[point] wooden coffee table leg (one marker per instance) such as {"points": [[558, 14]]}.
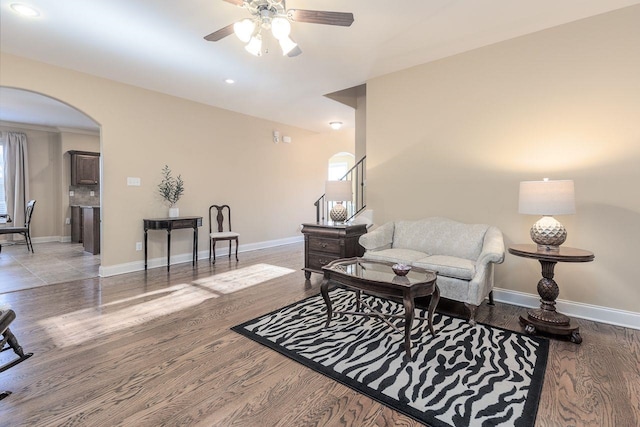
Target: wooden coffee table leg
{"points": [[409, 314], [324, 289], [435, 297]]}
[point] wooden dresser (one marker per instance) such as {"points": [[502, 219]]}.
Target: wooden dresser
{"points": [[325, 242]]}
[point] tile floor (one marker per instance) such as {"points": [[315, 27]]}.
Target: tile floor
{"points": [[50, 263]]}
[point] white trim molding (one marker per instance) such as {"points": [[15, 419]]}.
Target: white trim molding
{"points": [[612, 316], [131, 267], [627, 319]]}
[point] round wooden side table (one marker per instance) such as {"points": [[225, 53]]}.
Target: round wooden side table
{"points": [[546, 319]]}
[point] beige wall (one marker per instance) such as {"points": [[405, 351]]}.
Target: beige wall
{"points": [[43, 148], [223, 157], [50, 175], [455, 137]]}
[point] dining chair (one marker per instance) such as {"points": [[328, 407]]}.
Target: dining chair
{"points": [[26, 230], [217, 216]]}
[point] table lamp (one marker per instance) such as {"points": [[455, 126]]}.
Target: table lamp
{"points": [[547, 198], [338, 191]]}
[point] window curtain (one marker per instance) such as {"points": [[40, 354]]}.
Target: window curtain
{"points": [[16, 176]]}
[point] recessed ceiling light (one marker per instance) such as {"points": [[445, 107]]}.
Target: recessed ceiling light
{"points": [[335, 125], [25, 10], [229, 81]]}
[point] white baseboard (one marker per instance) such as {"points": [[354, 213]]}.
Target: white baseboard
{"points": [[628, 319], [130, 267], [48, 239], [596, 313]]}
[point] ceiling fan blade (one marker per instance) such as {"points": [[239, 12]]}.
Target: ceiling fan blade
{"points": [[220, 34], [343, 19], [236, 2]]}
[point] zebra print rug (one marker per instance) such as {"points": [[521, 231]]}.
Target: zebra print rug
{"points": [[464, 376]]}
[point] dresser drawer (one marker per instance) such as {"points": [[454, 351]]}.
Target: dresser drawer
{"points": [[317, 260], [184, 223], [319, 244]]}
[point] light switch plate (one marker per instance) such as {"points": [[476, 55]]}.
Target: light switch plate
{"points": [[133, 181], [92, 193], [71, 193]]}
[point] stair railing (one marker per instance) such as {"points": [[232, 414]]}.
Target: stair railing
{"points": [[357, 176]]}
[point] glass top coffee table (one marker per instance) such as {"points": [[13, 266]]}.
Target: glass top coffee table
{"points": [[377, 278]]}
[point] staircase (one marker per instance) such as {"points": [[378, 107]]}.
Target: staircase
{"points": [[357, 177]]}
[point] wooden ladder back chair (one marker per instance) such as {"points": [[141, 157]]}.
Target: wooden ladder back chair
{"points": [[217, 231], [26, 230]]}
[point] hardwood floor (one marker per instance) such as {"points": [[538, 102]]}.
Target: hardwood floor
{"points": [[155, 349]]}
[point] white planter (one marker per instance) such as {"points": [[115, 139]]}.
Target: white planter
{"points": [[174, 212]]}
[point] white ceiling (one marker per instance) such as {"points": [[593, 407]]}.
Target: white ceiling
{"points": [[159, 45]]}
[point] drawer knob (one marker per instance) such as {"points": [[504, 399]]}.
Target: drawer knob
{"points": [[324, 245]]}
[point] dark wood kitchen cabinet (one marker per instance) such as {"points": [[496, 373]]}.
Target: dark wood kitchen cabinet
{"points": [[76, 224], [85, 227], [85, 168], [91, 229]]}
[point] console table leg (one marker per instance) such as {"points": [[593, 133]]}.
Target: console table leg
{"points": [[195, 247], [168, 249], [145, 248]]}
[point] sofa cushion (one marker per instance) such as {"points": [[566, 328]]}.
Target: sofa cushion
{"points": [[459, 268], [440, 236], [404, 256]]}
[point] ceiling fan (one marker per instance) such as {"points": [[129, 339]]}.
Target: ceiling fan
{"points": [[273, 15]]}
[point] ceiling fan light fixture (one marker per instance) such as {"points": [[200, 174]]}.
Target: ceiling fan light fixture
{"points": [[25, 10], [335, 125], [280, 27], [287, 45], [244, 29], [254, 46]]}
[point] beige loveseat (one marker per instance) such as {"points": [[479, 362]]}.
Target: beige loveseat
{"points": [[463, 255]]}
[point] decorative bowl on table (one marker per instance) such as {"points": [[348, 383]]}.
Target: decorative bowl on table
{"points": [[401, 269]]}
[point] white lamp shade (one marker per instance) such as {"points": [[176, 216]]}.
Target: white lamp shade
{"points": [[244, 29], [287, 45], [254, 46], [281, 28], [338, 191], [547, 197]]}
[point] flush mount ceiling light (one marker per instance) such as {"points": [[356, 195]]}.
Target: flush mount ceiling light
{"points": [[335, 125], [273, 15], [25, 10]]}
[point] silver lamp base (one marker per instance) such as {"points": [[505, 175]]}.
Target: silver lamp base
{"points": [[548, 233]]}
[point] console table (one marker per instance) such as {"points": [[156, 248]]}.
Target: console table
{"points": [[327, 241], [546, 318], [170, 224]]}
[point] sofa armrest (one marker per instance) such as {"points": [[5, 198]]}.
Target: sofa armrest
{"points": [[378, 239], [492, 247]]}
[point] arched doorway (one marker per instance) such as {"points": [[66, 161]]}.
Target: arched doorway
{"points": [[339, 165], [53, 128]]}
